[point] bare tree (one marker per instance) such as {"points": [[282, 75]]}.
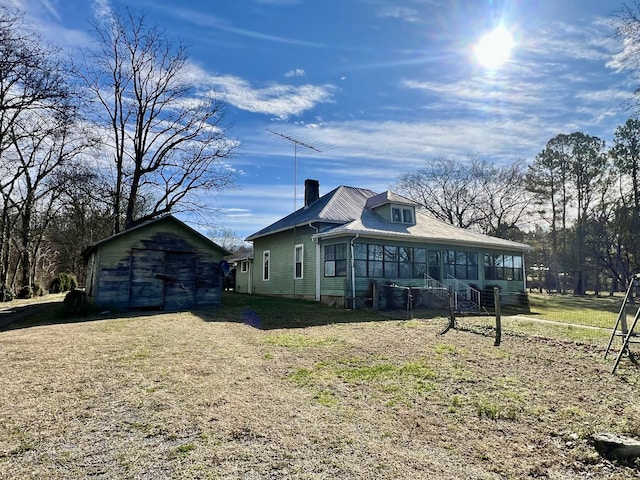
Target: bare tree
{"points": [[505, 201], [167, 139], [84, 216], [627, 30], [229, 240], [42, 145], [473, 194], [35, 100], [447, 189]]}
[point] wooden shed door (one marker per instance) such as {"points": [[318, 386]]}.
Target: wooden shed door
{"points": [[145, 287], [180, 290]]}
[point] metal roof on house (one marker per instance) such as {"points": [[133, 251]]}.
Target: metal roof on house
{"points": [[388, 197], [341, 205], [427, 229], [351, 210]]}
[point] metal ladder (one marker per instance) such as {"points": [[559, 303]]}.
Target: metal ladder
{"points": [[622, 329]]}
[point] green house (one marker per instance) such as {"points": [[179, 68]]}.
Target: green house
{"points": [[338, 247], [160, 265]]}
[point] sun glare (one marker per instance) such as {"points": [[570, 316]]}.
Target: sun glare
{"points": [[494, 48]]}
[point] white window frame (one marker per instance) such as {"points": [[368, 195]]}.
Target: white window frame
{"points": [[298, 248], [266, 265], [244, 266], [403, 212]]}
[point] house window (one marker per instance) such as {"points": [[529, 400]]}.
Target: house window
{"points": [[375, 254], [405, 262], [401, 215], [360, 259], [244, 266], [419, 262], [461, 265], [434, 264], [390, 261], [335, 260], [502, 267], [266, 264], [298, 256]]}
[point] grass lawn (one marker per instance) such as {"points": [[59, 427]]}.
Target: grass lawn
{"points": [[280, 389], [583, 310]]}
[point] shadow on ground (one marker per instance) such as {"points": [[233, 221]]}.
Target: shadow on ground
{"points": [[265, 313]]}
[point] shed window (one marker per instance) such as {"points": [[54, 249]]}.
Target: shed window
{"points": [[244, 266]]}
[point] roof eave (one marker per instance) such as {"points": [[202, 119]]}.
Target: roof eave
{"points": [[394, 235], [257, 235]]}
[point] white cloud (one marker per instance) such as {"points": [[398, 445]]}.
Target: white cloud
{"points": [[298, 72], [400, 13], [101, 10], [51, 9], [281, 101]]}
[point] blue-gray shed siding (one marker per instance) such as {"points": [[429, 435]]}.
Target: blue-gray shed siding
{"points": [[159, 267]]}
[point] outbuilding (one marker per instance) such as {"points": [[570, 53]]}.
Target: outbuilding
{"points": [[162, 264]]}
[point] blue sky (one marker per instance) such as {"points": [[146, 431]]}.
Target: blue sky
{"points": [[378, 86]]}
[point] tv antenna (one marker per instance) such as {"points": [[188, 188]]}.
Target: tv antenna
{"points": [[296, 142]]}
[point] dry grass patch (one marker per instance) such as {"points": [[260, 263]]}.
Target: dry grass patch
{"points": [[207, 396]]}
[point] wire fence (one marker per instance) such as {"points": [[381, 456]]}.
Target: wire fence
{"points": [[592, 320]]}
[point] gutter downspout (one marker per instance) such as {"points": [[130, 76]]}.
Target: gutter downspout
{"points": [[318, 263], [353, 273]]}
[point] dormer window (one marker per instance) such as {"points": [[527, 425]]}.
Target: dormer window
{"points": [[401, 215]]}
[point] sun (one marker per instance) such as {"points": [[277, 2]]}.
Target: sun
{"points": [[494, 47]]}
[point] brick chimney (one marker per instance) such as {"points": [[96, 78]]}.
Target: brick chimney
{"points": [[311, 191]]}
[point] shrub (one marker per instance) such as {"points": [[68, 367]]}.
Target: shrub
{"points": [[63, 282], [6, 294], [74, 301], [25, 292], [37, 290]]}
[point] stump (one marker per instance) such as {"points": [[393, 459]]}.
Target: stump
{"points": [[616, 447]]}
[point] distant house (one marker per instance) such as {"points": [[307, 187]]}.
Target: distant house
{"points": [[336, 246], [163, 264]]}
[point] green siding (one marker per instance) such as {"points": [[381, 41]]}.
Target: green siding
{"points": [[242, 278], [281, 280], [160, 265], [384, 211]]}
